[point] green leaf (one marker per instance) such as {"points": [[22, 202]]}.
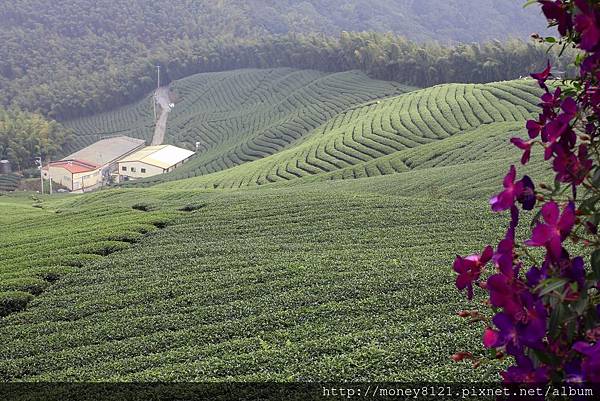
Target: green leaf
{"points": [[550, 39], [557, 317], [553, 284], [530, 3], [595, 262]]}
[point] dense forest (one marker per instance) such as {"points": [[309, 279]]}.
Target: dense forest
{"points": [[24, 136], [64, 59]]}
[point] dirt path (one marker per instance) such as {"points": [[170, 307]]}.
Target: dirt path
{"points": [[161, 97]]}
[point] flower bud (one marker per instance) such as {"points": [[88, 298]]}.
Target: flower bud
{"points": [[464, 313], [459, 356], [540, 198]]}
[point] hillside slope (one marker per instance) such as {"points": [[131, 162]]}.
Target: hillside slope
{"points": [[325, 256], [314, 282], [239, 116], [424, 128]]}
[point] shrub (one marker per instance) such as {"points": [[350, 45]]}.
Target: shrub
{"points": [[13, 301]]}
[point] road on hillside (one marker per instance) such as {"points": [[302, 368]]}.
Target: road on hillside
{"points": [[161, 97]]}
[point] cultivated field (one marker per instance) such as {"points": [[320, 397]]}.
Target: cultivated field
{"points": [[301, 283], [313, 241], [239, 116]]}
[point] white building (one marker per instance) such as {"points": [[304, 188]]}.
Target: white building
{"points": [[91, 167], [152, 160]]}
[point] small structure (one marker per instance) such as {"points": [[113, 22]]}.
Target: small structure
{"points": [[75, 175], [153, 160], [107, 152], [5, 167], [92, 166]]}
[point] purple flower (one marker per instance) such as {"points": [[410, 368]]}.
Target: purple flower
{"points": [[555, 230], [542, 77], [522, 191], [506, 199], [525, 372], [527, 196], [572, 168], [557, 11], [590, 364], [587, 25], [525, 146], [469, 269]]}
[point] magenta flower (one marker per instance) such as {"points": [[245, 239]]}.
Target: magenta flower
{"points": [[505, 199], [525, 146], [522, 191], [469, 269], [534, 127], [587, 25], [542, 77], [555, 230], [590, 364], [572, 168], [557, 11]]}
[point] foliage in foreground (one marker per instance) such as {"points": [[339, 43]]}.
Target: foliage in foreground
{"points": [[547, 311]]}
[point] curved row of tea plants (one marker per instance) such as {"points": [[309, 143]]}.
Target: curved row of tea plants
{"points": [[9, 182], [380, 138], [239, 116], [311, 282], [41, 242]]}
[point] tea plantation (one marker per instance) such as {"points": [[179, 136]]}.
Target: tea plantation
{"points": [[239, 116], [387, 136], [312, 241], [300, 283]]}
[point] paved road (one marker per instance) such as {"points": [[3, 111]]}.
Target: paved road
{"points": [[161, 97]]}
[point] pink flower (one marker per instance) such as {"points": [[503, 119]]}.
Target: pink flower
{"points": [[469, 269], [555, 230], [587, 25]]}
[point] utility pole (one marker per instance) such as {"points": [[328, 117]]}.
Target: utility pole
{"points": [[38, 161], [49, 179], [158, 76]]}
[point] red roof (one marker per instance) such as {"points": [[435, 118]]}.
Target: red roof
{"points": [[75, 166]]}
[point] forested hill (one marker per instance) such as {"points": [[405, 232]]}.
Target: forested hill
{"points": [[69, 58], [421, 20]]}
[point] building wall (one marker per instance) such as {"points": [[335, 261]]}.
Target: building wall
{"points": [[87, 181], [62, 176], [137, 169]]}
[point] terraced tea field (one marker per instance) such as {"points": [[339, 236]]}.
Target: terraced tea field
{"points": [[269, 262], [239, 116], [9, 182], [39, 245], [301, 283], [443, 125]]}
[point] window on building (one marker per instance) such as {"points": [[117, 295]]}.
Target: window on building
{"points": [[124, 168], [133, 169], [143, 170]]}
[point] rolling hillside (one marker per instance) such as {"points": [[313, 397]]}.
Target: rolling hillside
{"points": [[312, 282], [284, 124], [420, 129], [239, 116], [305, 246]]}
